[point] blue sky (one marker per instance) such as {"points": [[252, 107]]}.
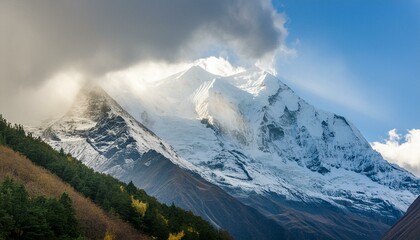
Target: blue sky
{"points": [[360, 59]]}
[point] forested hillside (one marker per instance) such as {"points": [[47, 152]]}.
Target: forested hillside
{"points": [[22, 217], [94, 223], [145, 213]]}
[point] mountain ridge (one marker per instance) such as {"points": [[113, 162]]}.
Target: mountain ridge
{"points": [[408, 226]]}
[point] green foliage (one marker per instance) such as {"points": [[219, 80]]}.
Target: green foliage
{"points": [[114, 196], [39, 218]]}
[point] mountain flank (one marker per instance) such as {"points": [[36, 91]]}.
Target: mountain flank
{"points": [[172, 184], [408, 227]]}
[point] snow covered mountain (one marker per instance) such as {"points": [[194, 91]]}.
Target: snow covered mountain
{"points": [[105, 137], [294, 166], [253, 136]]}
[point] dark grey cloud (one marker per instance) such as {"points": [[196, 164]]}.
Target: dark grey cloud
{"points": [[42, 37]]}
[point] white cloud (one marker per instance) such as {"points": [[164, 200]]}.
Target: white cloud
{"points": [[402, 150]]}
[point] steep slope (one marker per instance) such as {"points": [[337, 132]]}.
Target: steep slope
{"points": [[94, 222], [408, 227], [254, 137], [100, 133]]}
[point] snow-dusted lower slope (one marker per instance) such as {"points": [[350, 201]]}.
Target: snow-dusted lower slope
{"points": [[251, 134]]}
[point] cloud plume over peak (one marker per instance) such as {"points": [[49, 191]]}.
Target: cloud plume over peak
{"points": [[42, 38], [45, 36]]}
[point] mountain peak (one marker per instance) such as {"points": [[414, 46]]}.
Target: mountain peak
{"points": [[258, 82], [196, 68], [92, 88], [91, 102], [197, 72]]}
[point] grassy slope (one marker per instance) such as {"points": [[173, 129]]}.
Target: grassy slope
{"points": [[94, 221]]}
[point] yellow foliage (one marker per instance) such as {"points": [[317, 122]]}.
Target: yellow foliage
{"points": [[109, 236], [176, 236], [191, 229], [122, 188], [139, 206], [166, 221]]}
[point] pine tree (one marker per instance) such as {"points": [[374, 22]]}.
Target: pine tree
{"points": [[131, 189], [2, 139], [69, 216], [39, 218], [62, 153]]}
